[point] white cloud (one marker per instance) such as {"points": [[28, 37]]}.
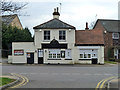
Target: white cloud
{"points": [[74, 12]]}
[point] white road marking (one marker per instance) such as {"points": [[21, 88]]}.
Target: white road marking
{"points": [[87, 74]]}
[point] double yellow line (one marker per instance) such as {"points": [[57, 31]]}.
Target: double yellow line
{"points": [[102, 82], [23, 82]]}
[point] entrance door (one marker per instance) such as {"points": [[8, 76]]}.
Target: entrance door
{"points": [[30, 58], [40, 56], [94, 61], [119, 54]]}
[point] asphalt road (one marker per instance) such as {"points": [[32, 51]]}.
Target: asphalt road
{"points": [[62, 76]]}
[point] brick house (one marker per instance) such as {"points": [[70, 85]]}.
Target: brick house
{"points": [[12, 20], [111, 33]]}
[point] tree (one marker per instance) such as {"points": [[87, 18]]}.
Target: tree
{"points": [[11, 7], [13, 34]]}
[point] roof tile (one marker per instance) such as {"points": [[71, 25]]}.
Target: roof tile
{"points": [[94, 36]]}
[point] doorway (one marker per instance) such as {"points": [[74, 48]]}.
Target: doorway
{"points": [[30, 58], [40, 56]]}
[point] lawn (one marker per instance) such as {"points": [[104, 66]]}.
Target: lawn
{"points": [[4, 80], [110, 62]]}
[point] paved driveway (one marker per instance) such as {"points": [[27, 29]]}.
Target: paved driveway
{"points": [[62, 76]]}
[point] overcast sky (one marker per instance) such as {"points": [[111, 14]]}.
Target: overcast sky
{"points": [[74, 12]]}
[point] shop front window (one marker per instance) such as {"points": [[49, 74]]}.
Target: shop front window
{"points": [[54, 54], [85, 54], [58, 54]]}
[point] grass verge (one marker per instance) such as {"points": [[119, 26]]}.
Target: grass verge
{"points": [[110, 62], [4, 81]]}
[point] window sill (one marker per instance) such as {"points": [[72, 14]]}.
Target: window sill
{"points": [[68, 59], [85, 59], [115, 38], [46, 40], [54, 59], [62, 40]]}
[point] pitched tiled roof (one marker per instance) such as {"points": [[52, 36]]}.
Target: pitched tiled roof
{"points": [[54, 24], [87, 37], [110, 25], [7, 19]]}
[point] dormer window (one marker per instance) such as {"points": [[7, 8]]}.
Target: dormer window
{"points": [[62, 35], [46, 35], [115, 35]]}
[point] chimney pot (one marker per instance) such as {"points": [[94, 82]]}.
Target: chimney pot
{"points": [[86, 26], [54, 9], [57, 9], [56, 14]]}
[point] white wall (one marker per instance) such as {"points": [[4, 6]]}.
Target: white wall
{"points": [[75, 51], [27, 47], [54, 34], [100, 54]]}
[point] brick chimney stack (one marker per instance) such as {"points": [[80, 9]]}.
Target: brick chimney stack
{"points": [[56, 14], [86, 26]]}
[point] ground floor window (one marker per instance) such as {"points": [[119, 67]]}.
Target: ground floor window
{"points": [[88, 54], [54, 54], [68, 54], [58, 54]]}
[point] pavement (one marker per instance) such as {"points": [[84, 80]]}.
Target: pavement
{"points": [[114, 83], [19, 81]]}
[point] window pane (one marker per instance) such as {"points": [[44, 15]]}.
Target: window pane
{"points": [[62, 54], [54, 55], [48, 37], [89, 55], [62, 35], [50, 55], [63, 32], [58, 55], [85, 55], [81, 55]]}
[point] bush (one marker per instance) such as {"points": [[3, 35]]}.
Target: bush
{"points": [[111, 59]]}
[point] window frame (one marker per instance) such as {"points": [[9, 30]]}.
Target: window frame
{"points": [[47, 35], [62, 35], [87, 54], [53, 54], [114, 35]]}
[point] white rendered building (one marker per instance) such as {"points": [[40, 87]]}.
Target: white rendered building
{"points": [[56, 42]]}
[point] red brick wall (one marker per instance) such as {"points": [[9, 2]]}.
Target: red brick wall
{"points": [[116, 42], [107, 40]]}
